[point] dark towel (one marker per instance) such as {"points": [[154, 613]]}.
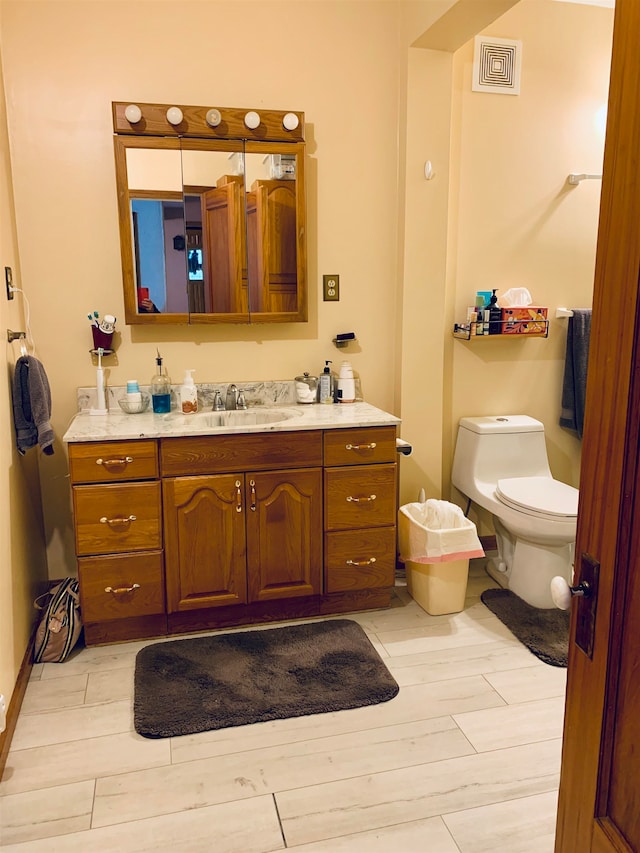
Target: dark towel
{"points": [[32, 406], [574, 384]]}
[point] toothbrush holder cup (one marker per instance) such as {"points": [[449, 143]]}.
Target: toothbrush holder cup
{"points": [[101, 339]]}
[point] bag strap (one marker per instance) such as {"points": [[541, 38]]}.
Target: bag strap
{"points": [[69, 586]]}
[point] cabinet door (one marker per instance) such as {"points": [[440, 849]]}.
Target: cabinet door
{"points": [[205, 545], [284, 534]]}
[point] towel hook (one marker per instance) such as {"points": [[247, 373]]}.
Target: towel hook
{"points": [[18, 336]]}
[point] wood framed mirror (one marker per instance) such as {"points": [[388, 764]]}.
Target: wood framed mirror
{"points": [[212, 218]]}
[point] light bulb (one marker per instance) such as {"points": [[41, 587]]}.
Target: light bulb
{"points": [[214, 118], [174, 115], [133, 113], [252, 120], [290, 121]]}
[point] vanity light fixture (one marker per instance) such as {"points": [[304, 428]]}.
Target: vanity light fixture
{"points": [[133, 113], [290, 121], [174, 115], [252, 120], [214, 117]]}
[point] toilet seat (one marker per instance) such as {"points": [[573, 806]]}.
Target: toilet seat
{"points": [[539, 496]]}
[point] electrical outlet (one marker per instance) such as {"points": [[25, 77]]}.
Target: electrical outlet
{"points": [[8, 277], [331, 288]]}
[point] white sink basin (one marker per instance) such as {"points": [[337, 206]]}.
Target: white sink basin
{"points": [[233, 419]]}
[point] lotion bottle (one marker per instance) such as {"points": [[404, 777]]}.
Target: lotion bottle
{"points": [[346, 384], [326, 391], [188, 394]]}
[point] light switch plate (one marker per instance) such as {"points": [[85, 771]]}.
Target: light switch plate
{"points": [[331, 288]]}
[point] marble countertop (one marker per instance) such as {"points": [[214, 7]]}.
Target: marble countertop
{"points": [[285, 418]]}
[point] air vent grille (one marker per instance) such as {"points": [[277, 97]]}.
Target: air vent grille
{"points": [[496, 65]]}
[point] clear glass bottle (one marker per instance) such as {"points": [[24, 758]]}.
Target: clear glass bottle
{"points": [[161, 389]]}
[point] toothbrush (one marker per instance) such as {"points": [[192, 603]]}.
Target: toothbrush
{"points": [[101, 408], [90, 317]]}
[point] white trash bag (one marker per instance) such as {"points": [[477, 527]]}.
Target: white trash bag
{"points": [[436, 532]]}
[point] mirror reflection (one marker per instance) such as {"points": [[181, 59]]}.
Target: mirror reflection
{"points": [[212, 231]]}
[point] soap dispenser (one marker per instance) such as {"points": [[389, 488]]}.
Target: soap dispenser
{"points": [[160, 389], [188, 394], [495, 315], [326, 391]]}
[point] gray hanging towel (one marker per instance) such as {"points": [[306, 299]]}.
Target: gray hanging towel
{"points": [[32, 406], [574, 384]]}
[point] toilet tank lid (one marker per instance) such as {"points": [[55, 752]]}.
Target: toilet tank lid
{"points": [[502, 423]]}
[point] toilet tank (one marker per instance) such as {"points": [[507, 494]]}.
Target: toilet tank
{"points": [[491, 448]]}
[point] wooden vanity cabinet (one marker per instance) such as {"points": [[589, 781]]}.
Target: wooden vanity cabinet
{"points": [[118, 530], [192, 533], [244, 536]]}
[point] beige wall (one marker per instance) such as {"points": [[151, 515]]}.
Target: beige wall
{"points": [[23, 566], [519, 223], [64, 64], [499, 213]]}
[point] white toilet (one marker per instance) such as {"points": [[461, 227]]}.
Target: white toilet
{"points": [[501, 464]]}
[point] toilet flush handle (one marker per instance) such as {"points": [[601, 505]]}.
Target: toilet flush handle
{"points": [[561, 592]]}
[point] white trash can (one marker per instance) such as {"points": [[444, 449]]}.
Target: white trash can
{"points": [[436, 543], [438, 587]]}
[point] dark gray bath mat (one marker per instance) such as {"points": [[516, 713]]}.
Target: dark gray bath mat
{"points": [[543, 632], [188, 686]]}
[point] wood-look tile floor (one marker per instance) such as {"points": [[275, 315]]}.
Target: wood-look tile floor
{"points": [[464, 759]]}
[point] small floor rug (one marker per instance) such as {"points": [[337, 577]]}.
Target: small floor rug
{"points": [[188, 686], [543, 632]]}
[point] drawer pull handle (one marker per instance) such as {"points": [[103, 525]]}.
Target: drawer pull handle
{"points": [[121, 590], [252, 506], [368, 562], [365, 499], [110, 521], [361, 446], [238, 497], [107, 462]]}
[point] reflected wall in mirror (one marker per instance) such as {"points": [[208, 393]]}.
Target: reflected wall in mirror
{"points": [[212, 230]]}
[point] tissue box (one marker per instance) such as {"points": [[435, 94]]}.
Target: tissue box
{"points": [[524, 321]]}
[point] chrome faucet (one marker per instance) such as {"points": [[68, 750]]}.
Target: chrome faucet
{"points": [[218, 404], [231, 400], [241, 403]]}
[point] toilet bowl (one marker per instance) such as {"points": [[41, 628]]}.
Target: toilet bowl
{"points": [[501, 464]]}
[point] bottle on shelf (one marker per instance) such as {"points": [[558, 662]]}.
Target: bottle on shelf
{"points": [[160, 389], [495, 315]]}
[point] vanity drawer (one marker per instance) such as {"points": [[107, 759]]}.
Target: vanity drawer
{"points": [[118, 518], [112, 461], [122, 586], [359, 497], [360, 446], [256, 452], [360, 559]]}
